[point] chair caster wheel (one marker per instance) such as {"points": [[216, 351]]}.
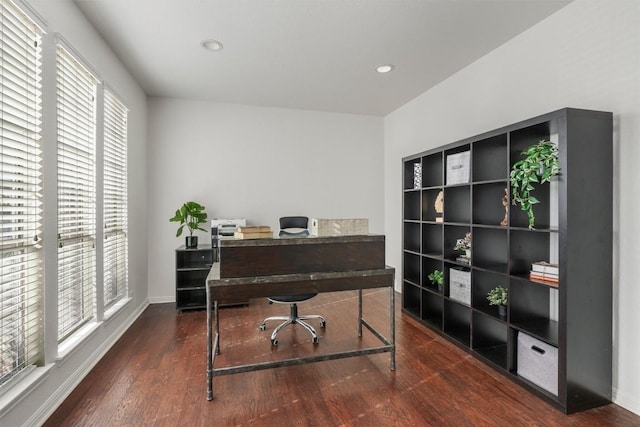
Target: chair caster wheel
{"points": [[262, 327], [315, 340], [274, 342], [323, 324]]}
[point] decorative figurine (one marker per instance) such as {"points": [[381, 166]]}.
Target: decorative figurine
{"points": [[439, 206], [505, 203]]}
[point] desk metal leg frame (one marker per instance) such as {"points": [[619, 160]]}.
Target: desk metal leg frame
{"points": [[213, 346]]}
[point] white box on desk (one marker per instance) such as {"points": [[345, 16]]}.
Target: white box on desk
{"points": [[322, 227], [460, 285]]}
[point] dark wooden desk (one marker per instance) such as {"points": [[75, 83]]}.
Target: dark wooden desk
{"points": [[339, 264]]}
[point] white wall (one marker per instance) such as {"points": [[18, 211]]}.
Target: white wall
{"points": [[587, 55], [259, 163], [32, 404]]}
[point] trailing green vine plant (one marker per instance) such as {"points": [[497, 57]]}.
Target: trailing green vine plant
{"points": [[539, 165]]}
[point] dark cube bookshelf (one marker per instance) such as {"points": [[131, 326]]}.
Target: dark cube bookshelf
{"points": [[573, 227]]}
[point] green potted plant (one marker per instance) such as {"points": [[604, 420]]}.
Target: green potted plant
{"points": [[437, 278], [191, 214], [539, 165], [499, 296]]}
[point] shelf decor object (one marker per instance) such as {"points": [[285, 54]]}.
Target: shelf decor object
{"points": [[556, 338], [539, 165], [498, 296], [458, 168], [191, 215], [437, 278], [417, 175]]}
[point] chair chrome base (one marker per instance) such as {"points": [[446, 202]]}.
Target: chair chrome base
{"points": [[293, 318]]}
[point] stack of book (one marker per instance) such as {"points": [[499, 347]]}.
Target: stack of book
{"points": [[254, 232], [545, 272]]}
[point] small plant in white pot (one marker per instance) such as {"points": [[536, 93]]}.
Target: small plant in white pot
{"points": [[500, 297], [464, 245]]}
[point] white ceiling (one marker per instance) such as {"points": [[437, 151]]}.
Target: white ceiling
{"points": [[306, 54]]}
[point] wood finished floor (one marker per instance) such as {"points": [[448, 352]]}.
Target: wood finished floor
{"points": [[156, 376]]}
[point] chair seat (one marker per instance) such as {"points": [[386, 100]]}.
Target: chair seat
{"points": [[291, 298]]}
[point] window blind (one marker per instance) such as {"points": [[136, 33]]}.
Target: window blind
{"points": [[76, 106], [20, 192], [115, 199]]}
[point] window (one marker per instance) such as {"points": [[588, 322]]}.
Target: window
{"points": [[76, 113], [115, 200], [20, 192]]}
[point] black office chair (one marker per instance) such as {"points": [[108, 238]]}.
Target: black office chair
{"points": [[293, 226]]}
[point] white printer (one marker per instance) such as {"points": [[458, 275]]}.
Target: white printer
{"points": [[225, 227]]}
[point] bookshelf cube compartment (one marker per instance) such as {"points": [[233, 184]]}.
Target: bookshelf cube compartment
{"points": [[490, 159], [187, 259], [520, 139], [411, 298], [432, 170], [412, 205], [432, 309], [541, 211], [489, 204], [411, 268], [429, 265], [457, 321], [432, 240], [412, 236], [530, 309], [410, 170], [489, 339], [191, 278], [429, 198], [451, 234], [526, 248], [457, 204], [490, 248], [482, 283], [458, 165], [191, 298]]}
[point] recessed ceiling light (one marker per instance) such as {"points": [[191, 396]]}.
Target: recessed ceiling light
{"points": [[212, 45], [384, 68]]}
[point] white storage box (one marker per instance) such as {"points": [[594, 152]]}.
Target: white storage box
{"points": [[460, 285], [538, 362], [339, 227], [458, 167]]}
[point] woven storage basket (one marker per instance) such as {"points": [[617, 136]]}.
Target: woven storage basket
{"points": [[339, 227]]}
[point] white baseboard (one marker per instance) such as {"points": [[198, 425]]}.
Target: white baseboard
{"points": [[630, 403], [162, 300], [65, 389]]}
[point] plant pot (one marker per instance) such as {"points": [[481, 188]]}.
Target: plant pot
{"points": [[502, 311], [191, 241], [467, 253]]}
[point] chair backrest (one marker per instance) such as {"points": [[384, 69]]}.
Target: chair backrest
{"points": [[294, 226]]}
